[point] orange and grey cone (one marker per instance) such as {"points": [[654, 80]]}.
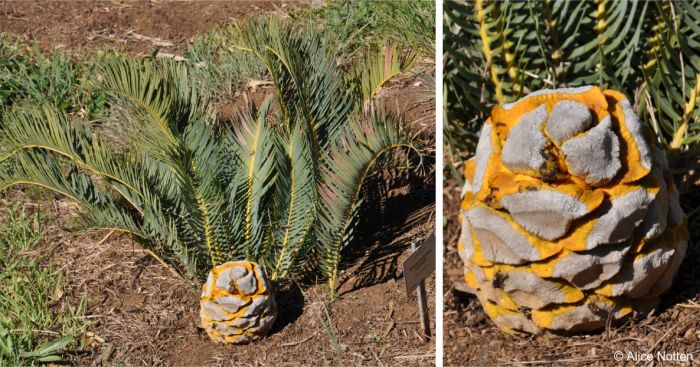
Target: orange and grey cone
{"points": [[236, 304], [569, 214]]}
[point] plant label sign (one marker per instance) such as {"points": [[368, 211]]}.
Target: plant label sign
{"points": [[420, 264]]}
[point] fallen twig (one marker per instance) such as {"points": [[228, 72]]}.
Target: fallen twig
{"points": [[291, 344], [376, 358], [660, 339], [388, 328], [155, 40], [627, 338], [166, 55], [391, 311], [105, 238], [416, 356]]}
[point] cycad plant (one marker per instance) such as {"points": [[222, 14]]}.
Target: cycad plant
{"points": [[499, 51], [279, 186]]}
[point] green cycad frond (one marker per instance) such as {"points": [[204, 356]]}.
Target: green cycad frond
{"points": [[610, 57], [168, 123], [203, 187], [465, 78], [150, 98], [45, 129], [531, 45], [309, 84], [43, 144], [45, 170], [295, 200], [253, 144], [672, 90], [147, 96], [348, 163], [496, 51], [378, 67], [282, 191], [314, 95]]}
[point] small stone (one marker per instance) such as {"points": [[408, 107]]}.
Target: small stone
{"points": [[691, 335]]}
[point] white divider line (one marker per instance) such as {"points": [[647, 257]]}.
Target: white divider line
{"points": [[439, 302]]}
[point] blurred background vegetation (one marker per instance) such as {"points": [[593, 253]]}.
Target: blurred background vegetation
{"points": [[498, 51]]}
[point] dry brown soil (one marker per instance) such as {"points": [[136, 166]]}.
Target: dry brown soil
{"points": [[133, 26], [141, 314]]}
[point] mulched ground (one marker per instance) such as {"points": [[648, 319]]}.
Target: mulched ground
{"points": [[471, 338], [141, 314]]}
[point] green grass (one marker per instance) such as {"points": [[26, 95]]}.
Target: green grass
{"points": [[26, 74], [353, 27], [32, 328], [64, 79], [217, 68], [356, 25]]}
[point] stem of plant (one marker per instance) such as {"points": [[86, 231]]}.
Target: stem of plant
{"points": [[689, 107]]}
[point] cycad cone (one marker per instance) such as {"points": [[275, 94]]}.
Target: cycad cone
{"points": [[569, 213], [236, 304]]}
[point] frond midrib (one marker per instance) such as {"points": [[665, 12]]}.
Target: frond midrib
{"points": [[83, 165], [154, 115]]}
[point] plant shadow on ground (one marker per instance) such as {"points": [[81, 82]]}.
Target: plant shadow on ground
{"points": [[289, 298], [396, 206], [686, 286]]}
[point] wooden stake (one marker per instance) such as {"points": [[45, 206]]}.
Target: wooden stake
{"points": [[422, 306]]}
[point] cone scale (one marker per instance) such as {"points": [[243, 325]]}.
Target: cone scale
{"points": [[569, 213], [236, 305]]}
